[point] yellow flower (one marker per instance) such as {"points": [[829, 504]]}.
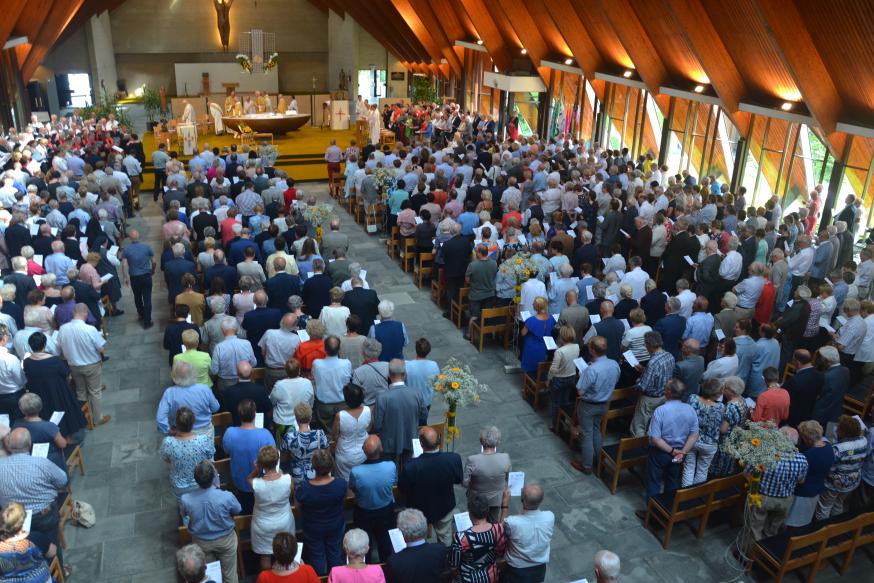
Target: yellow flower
{"points": [[476, 398], [518, 262], [454, 386], [438, 387], [456, 369], [441, 377], [756, 442], [527, 272]]}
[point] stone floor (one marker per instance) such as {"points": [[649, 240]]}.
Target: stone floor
{"points": [[134, 540]]}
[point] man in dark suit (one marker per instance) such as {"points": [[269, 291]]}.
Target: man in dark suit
{"points": [[836, 378], [747, 248], [611, 329], [17, 235], [691, 367], [237, 248], [42, 243], [673, 264], [428, 484], [707, 274], [397, 414], [246, 389], [220, 269], [258, 321], [23, 282], [804, 387], [456, 255], [671, 327], [316, 290], [586, 253], [203, 220], [173, 272], [420, 561], [281, 286], [362, 302]]}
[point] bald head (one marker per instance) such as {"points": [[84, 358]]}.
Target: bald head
{"points": [[260, 298], [372, 447], [18, 441], [244, 370], [429, 439], [532, 496]]}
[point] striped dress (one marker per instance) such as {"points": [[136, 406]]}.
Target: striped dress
{"points": [[474, 554]]}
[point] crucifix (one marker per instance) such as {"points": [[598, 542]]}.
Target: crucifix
{"points": [[223, 20]]}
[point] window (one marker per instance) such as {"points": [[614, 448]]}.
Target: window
{"points": [[80, 89], [371, 84]]}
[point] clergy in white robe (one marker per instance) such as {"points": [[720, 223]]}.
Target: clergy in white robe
{"points": [[374, 121]]}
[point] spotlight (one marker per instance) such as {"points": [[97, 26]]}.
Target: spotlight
{"points": [[524, 51], [699, 89], [479, 42], [787, 105], [627, 74], [568, 61]]}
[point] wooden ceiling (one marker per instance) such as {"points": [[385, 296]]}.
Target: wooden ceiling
{"points": [[820, 52], [765, 52]]}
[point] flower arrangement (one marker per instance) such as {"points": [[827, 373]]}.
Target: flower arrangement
{"points": [[318, 214], [244, 62], [520, 266], [757, 448], [268, 154], [456, 386], [385, 181], [271, 62]]}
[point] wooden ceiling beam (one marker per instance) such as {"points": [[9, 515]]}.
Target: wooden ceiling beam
{"points": [[412, 21], [439, 34], [637, 43], [589, 59], [789, 31], [11, 11], [532, 41], [59, 16], [364, 18], [486, 29], [395, 25]]}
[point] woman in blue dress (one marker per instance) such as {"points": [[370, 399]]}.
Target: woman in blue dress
{"points": [[534, 330]]}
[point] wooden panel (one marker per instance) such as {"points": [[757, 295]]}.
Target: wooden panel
{"points": [[517, 14], [631, 32], [752, 49], [487, 29], [584, 49], [59, 16], [673, 48], [843, 32], [599, 28], [9, 17], [435, 27]]}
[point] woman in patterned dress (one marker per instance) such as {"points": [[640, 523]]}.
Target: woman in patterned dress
{"points": [[475, 550], [736, 413], [302, 443]]}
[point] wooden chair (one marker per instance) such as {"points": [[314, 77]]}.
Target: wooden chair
{"points": [[858, 402], [220, 422], [75, 459], [350, 202], [698, 501], [359, 210], [223, 468], [56, 572], [66, 513], [423, 268], [533, 388], [258, 374], [89, 418], [567, 422], [788, 371], [622, 404], [408, 254], [393, 242], [243, 528], [493, 321], [458, 306], [438, 288], [629, 453], [184, 535]]}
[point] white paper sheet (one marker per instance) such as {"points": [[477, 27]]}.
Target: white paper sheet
{"points": [[524, 314], [720, 335], [259, 420], [550, 343], [842, 320], [28, 518], [56, 417], [40, 450], [594, 318], [214, 571], [188, 319], [555, 317], [419, 220], [303, 335], [38, 259], [417, 447], [580, 364], [363, 275], [630, 358], [688, 260], [37, 279], [515, 481], [397, 540], [789, 303], [4, 419], [298, 557], [829, 328], [613, 298], [462, 521], [105, 277], [589, 293], [600, 219]]}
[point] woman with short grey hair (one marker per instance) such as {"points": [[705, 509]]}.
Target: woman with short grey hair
{"points": [[41, 431], [295, 306], [356, 544], [391, 333], [189, 393], [486, 473], [244, 301], [413, 525]]}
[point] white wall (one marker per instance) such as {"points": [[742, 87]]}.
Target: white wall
{"points": [[101, 55], [192, 75]]}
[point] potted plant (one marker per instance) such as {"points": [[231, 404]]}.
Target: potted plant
{"points": [[152, 105]]}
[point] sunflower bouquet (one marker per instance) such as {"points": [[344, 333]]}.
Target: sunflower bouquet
{"points": [[520, 266], [456, 385], [318, 214], [244, 62], [271, 62], [757, 448], [385, 181]]}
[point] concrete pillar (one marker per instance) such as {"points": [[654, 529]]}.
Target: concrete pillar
{"points": [[342, 52], [101, 56]]}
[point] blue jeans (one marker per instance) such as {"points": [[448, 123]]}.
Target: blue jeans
{"points": [[661, 470], [590, 426]]}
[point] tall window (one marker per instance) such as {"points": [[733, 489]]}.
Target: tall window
{"points": [[371, 84]]}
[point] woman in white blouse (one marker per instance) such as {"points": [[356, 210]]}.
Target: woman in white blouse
{"points": [[334, 315], [724, 366]]}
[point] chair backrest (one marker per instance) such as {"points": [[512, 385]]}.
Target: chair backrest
{"points": [[818, 537], [242, 522], [704, 490], [425, 258], [631, 443], [258, 374], [504, 316], [55, 571]]}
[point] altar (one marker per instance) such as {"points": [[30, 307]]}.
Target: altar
{"points": [[267, 123], [188, 137]]}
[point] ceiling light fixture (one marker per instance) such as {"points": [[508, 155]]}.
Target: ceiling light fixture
{"points": [[699, 89], [524, 51], [568, 61], [787, 105], [627, 74], [479, 42]]}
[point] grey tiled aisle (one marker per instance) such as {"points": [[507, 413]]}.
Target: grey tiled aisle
{"points": [[135, 536]]}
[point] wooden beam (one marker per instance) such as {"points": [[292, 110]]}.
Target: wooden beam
{"points": [[487, 30], [365, 19], [520, 19], [438, 33], [636, 41], [395, 25], [589, 59], [411, 19], [60, 15], [786, 26], [11, 11]]}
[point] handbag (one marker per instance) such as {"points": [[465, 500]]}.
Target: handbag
{"points": [[83, 514]]}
